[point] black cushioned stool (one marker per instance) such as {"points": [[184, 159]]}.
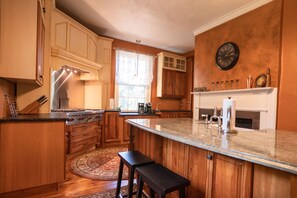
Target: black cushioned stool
{"points": [[131, 159], [160, 180]]}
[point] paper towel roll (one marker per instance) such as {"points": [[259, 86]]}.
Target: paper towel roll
{"points": [[229, 103]]}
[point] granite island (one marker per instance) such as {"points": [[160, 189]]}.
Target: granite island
{"points": [[250, 163]]}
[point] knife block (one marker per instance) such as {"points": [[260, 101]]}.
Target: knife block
{"points": [[33, 107]]}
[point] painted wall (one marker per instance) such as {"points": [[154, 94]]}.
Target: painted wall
{"points": [[257, 34], [165, 103], [6, 88], [287, 103]]}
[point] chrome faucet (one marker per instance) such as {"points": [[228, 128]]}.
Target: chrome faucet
{"points": [[205, 116], [215, 116]]}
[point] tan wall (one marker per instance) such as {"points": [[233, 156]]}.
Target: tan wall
{"points": [[257, 34], [166, 104], [287, 103], [6, 88]]}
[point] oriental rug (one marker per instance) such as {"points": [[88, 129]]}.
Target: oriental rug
{"points": [[100, 164]]}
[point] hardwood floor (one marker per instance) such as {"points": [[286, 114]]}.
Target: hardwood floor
{"points": [[75, 186]]}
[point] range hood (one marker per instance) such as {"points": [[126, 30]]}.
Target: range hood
{"points": [[88, 70]]}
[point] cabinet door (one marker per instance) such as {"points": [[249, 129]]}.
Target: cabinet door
{"points": [[111, 132], [185, 114], [179, 84], [32, 154], [228, 177], [22, 37], [167, 85]]}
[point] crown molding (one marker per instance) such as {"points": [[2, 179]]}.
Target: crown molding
{"points": [[231, 15]]}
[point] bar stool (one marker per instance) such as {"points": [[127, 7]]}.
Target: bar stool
{"points": [[131, 159], [160, 180]]}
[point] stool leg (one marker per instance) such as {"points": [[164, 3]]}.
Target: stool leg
{"points": [[130, 182], [119, 179], [161, 195], [182, 193], [139, 188], [152, 193]]}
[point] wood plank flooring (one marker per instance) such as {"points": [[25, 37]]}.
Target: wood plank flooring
{"points": [[77, 186], [73, 186]]}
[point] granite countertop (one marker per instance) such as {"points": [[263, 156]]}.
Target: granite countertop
{"points": [[271, 148], [136, 114], [54, 116]]}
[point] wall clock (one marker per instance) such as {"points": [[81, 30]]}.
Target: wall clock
{"points": [[227, 56]]}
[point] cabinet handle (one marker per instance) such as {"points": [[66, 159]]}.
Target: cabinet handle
{"points": [[209, 156]]}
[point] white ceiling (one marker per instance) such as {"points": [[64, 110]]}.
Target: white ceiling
{"points": [[165, 24]]}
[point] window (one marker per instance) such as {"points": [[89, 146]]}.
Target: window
{"points": [[134, 75]]}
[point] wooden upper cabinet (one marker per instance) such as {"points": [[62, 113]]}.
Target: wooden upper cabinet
{"points": [[72, 41], [104, 51], [171, 81], [22, 40]]}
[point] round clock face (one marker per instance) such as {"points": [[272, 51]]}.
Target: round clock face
{"points": [[227, 56]]}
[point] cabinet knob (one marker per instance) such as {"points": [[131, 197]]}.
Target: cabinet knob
{"points": [[209, 156]]}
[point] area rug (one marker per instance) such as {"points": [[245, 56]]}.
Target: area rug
{"points": [[100, 164]]}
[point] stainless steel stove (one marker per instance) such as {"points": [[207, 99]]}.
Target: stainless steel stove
{"points": [[84, 116]]}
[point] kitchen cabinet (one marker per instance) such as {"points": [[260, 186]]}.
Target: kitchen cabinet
{"points": [[84, 136], [111, 128], [73, 42], [228, 177], [211, 174], [22, 40], [126, 126], [32, 154], [171, 76], [175, 114]]}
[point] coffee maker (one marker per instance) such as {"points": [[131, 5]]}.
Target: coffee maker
{"points": [[148, 108], [141, 108]]}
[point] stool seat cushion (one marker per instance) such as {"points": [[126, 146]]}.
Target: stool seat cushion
{"points": [[160, 178], [134, 158]]}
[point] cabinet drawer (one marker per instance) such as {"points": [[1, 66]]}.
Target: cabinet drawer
{"points": [[83, 144], [83, 136], [82, 128]]}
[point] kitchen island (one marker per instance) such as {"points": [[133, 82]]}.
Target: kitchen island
{"points": [[249, 163]]}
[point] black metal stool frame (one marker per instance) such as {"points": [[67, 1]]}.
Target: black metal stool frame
{"points": [[132, 159]]}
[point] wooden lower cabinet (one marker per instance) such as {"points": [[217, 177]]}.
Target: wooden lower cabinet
{"points": [[273, 183], [84, 136], [228, 177], [175, 114], [31, 154], [211, 175], [111, 128]]}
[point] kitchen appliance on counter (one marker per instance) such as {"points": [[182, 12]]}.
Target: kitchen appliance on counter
{"points": [[141, 108], [148, 108]]}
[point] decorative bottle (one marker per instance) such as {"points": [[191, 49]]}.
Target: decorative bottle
{"points": [[268, 78], [249, 82]]}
